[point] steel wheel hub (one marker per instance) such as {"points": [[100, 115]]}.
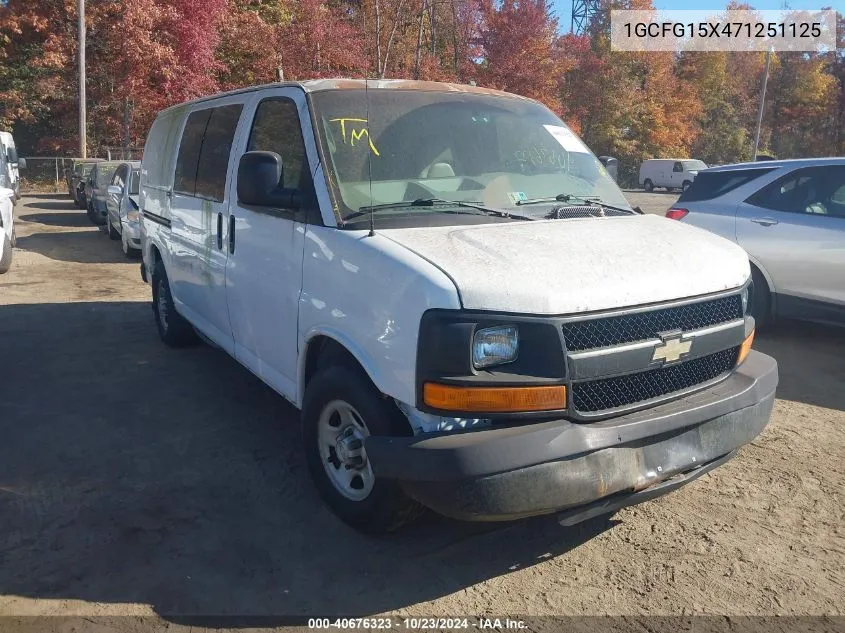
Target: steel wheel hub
{"points": [[340, 434]]}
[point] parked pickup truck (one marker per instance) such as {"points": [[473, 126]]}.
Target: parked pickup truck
{"points": [[456, 294]]}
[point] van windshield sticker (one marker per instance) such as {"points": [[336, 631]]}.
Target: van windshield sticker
{"points": [[567, 139], [352, 130]]}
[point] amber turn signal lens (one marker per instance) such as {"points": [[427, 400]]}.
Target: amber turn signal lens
{"points": [[746, 347], [494, 399]]}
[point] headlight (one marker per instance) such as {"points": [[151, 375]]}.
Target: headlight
{"points": [[744, 296], [495, 346], [132, 215]]}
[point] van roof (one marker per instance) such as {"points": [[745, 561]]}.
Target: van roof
{"points": [[322, 85]]}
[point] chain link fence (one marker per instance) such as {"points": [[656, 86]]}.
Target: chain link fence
{"points": [[47, 174]]}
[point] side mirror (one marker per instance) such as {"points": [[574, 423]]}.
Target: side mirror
{"points": [[259, 175], [21, 163], [114, 190]]}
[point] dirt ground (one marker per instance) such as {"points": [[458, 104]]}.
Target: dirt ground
{"points": [[136, 479]]}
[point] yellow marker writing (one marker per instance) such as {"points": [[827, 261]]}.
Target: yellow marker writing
{"points": [[355, 134]]}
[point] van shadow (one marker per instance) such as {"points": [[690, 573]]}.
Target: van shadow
{"points": [[811, 362], [134, 473]]}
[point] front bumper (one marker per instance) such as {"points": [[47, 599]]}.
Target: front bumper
{"points": [[132, 231], [587, 468]]}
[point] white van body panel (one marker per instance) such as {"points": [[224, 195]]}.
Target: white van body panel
{"points": [[264, 274], [7, 227], [9, 173], [156, 183], [574, 265], [369, 294], [198, 267]]}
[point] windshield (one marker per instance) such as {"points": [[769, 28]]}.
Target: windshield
{"points": [[495, 151], [693, 165], [105, 173]]}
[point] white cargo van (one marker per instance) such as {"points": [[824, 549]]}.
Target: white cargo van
{"points": [[10, 164], [671, 173], [456, 294]]}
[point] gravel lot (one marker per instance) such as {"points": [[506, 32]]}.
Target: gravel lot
{"points": [[135, 479]]}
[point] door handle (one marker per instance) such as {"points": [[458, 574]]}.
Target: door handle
{"points": [[232, 234], [220, 231], [764, 221]]}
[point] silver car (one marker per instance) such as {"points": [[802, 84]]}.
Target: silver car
{"points": [[122, 221], [789, 215]]}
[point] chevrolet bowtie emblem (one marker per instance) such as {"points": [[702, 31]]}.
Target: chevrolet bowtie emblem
{"points": [[671, 349]]}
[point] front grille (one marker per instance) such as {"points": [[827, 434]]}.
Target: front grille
{"points": [[610, 393], [641, 326]]}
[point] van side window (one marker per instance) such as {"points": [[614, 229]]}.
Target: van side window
{"points": [[185, 178], [276, 129], [214, 156]]}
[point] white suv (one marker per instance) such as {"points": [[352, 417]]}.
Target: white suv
{"points": [[456, 294]]}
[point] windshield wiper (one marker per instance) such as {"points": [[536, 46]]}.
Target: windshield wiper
{"points": [[566, 197], [431, 202]]}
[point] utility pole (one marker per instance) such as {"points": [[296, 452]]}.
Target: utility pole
{"points": [[762, 103], [83, 141]]}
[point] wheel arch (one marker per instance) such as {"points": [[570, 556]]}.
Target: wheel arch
{"points": [[770, 286], [322, 344]]}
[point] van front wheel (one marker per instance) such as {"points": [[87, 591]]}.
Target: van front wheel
{"points": [[648, 185], [173, 329], [686, 185], [341, 408]]}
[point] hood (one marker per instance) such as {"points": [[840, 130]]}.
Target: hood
{"points": [[578, 265]]}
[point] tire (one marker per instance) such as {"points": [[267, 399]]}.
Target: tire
{"points": [[113, 235], [648, 185], [173, 329], [686, 185], [761, 301], [377, 506]]}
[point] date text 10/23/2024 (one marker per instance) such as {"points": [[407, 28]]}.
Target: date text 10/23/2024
{"points": [[418, 623]]}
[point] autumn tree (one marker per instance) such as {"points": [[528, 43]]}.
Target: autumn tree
{"points": [[518, 39]]}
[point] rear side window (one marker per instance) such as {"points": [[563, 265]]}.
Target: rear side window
{"points": [[812, 190], [712, 184], [214, 155], [276, 129], [185, 178]]}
